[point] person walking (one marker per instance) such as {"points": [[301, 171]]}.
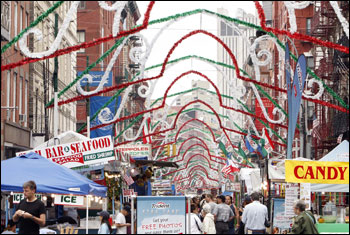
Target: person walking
{"points": [[196, 223], [222, 214], [120, 221], [208, 221], [247, 200], [305, 222], [231, 223], [254, 216], [105, 227], [30, 213], [210, 200]]}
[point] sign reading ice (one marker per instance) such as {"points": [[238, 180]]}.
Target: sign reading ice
{"points": [[161, 215]]}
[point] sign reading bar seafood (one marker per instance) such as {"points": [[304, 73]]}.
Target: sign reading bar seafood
{"points": [[80, 153], [317, 172]]}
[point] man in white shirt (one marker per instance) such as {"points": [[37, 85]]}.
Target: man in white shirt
{"points": [[120, 220], [254, 216]]}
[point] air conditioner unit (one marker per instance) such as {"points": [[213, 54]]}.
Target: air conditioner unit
{"points": [[22, 117]]}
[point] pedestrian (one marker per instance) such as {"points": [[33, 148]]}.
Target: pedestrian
{"points": [[208, 222], [210, 200], [11, 228], [31, 213], [120, 221], [196, 224], [222, 214], [305, 222], [202, 201], [231, 223], [247, 200], [105, 227], [254, 216]]}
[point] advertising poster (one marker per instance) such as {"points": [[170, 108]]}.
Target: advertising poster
{"points": [[80, 153], [140, 151], [161, 215], [305, 194], [292, 195], [281, 223]]}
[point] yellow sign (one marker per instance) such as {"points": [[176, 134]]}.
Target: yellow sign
{"points": [[317, 172]]}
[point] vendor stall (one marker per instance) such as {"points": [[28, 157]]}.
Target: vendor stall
{"points": [[48, 176]]}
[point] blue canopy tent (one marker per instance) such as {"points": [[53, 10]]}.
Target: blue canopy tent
{"points": [[49, 177]]}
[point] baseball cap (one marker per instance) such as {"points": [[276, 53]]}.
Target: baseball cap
{"points": [[104, 214]]}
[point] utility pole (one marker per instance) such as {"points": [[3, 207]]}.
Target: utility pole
{"points": [[88, 103], [45, 76], [55, 78]]}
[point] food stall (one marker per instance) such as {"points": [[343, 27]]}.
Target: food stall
{"points": [[329, 183]]}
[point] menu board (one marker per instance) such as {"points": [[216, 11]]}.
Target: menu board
{"points": [[291, 197]]}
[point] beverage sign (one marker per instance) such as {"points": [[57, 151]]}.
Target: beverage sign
{"points": [[17, 197], [80, 153], [136, 151], [69, 200], [161, 215], [317, 172], [291, 197]]}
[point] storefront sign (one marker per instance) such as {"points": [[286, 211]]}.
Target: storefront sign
{"points": [[305, 194], [69, 200], [292, 195], [136, 151], [17, 197], [80, 153], [280, 222], [317, 172], [161, 215]]}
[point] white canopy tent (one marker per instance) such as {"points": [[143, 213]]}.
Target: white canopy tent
{"points": [[64, 138], [338, 154]]}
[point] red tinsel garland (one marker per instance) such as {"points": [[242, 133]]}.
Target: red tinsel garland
{"points": [[84, 44], [80, 97], [297, 35]]}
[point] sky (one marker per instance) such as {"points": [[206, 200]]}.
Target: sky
{"points": [[199, 44]]}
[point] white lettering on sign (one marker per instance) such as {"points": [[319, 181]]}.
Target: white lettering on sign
{"points": [[69, 200], [87, 152], [17, 197]]}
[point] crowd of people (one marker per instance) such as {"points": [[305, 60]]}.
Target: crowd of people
{"points": [[208, 215], [220, 215]]}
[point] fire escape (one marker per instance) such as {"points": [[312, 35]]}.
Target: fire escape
{"points": [[323, 26]]}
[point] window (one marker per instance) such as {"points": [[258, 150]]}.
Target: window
{"points": [[223, 29], [26, 100], [14, 96], [20, 95], [81, 39], [82, 5], [21, 20], [8, 92], [15, 19], [308, 26], [310, 62]]}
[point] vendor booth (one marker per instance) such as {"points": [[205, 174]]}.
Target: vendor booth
{"points": [[49, 177]]}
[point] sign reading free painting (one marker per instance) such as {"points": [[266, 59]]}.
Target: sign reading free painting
{"points": [[80, 153]]}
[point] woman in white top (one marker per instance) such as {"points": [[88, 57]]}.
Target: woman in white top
{"points": [[105, 227], [208, 222], [196, 224]]}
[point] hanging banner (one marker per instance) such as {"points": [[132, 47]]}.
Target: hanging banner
{"points": [[105, 115], [17, 197], [140, 151], [276, 169], [80, 153], [291, 196], [281, 223], [317, 172], [161, 215], [95, 77], [305, 194], [258, 112], [69, 200]]}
